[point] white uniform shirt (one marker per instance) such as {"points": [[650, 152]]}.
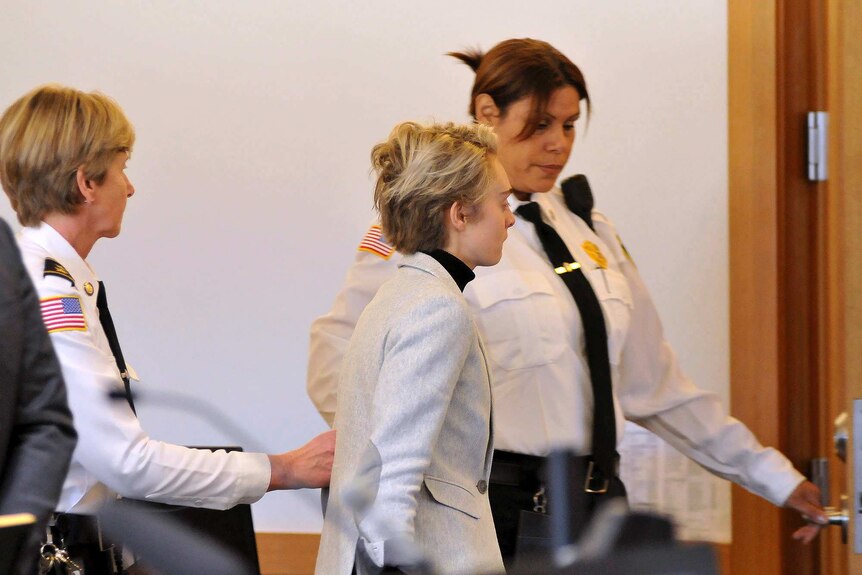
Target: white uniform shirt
{"points": [[534, 335], [114, 455]]}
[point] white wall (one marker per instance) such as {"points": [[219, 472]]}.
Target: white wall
{"points": [[255, 121]]}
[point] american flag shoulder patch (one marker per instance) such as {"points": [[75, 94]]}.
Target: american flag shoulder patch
{"points": [[63, 313], [374, 242]]}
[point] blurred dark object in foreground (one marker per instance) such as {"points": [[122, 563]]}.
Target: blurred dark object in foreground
{"points": [[172, 539], [608, 539], [672, 559]]}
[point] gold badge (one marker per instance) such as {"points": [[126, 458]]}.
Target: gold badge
{"points": [[595, 254], [88, 287]]}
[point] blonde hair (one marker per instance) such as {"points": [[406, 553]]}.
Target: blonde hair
{"points": [[46, 135], [421, 171]]}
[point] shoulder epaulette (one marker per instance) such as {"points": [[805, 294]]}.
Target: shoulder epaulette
{"points": [[55, 268]]}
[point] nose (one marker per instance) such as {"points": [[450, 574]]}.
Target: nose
{"points": [[558, 142], [510, 218], [130, 189]]}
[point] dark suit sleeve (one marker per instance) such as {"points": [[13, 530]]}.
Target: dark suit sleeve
{"points": [[38, 436]]}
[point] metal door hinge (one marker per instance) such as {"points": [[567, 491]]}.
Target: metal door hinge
{"points": [[818, 146]]}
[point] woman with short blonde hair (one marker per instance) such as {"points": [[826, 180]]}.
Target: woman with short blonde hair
{"points": [[424, 169], [414, 444]]}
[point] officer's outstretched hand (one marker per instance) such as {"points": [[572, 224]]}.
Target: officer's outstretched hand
{"points": [[309, 466], [806, 500]]}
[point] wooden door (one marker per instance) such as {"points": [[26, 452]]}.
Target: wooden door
{"points": [[796, 257]]}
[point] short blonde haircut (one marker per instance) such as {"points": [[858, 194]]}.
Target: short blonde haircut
{"points": [[421, 171], [46, 135]]}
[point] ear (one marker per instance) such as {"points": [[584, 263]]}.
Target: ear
{"points": [[85, 186], [456, 217], [487, 111]]}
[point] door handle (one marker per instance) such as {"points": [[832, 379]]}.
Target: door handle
{"points": [[839, 517], [820, 477]]}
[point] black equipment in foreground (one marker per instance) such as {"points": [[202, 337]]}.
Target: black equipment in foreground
{"points": [[614, 541], [166, 544]]}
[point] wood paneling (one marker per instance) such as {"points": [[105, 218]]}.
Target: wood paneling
{"points": [[753, 205], [287, 553]]}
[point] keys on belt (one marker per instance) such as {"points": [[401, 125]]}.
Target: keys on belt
{"points": [[52, 557]]}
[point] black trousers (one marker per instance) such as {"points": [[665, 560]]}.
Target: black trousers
{"points": [[514, 487]]}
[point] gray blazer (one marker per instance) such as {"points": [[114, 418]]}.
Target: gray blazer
{"points": [[415, 438]]}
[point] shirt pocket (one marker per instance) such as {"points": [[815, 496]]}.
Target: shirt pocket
{"points": [[519, 318], [613, 291], [453, 495]]}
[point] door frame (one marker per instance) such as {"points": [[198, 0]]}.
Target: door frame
{"points": [[842, 231]]}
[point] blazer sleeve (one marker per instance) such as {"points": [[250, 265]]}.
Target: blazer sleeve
{"points": [[331, 333], [423, 360]]}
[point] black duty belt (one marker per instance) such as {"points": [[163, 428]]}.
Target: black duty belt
{"points": [[527, 471]]}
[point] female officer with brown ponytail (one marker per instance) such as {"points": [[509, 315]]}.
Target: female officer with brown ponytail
{"points": [[575, 343]]}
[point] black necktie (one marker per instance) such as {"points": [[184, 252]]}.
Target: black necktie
{"points": [[595, 335], [111, 333]]}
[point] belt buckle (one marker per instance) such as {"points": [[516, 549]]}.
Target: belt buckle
{"points": [[589, 486]]}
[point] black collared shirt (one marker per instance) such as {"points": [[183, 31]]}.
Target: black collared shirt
{"points": [[459, 271]]}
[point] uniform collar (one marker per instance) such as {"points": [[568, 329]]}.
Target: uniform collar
{"points": [[515, 203], [58, 248], [544, 200]]}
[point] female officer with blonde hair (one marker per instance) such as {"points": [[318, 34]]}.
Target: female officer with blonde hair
{"points": [[414, 419], [63, 157]]}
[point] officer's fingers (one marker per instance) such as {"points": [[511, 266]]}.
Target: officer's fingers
{"points": [[314, 465], [324, 443], [806, 500], [807, 533]]}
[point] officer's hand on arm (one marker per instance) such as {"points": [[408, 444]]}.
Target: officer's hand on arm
{"points": [[309, 466], [806, 500]]}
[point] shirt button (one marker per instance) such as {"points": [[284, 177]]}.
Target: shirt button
{"points": [[198, 502], [482, 486]]}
